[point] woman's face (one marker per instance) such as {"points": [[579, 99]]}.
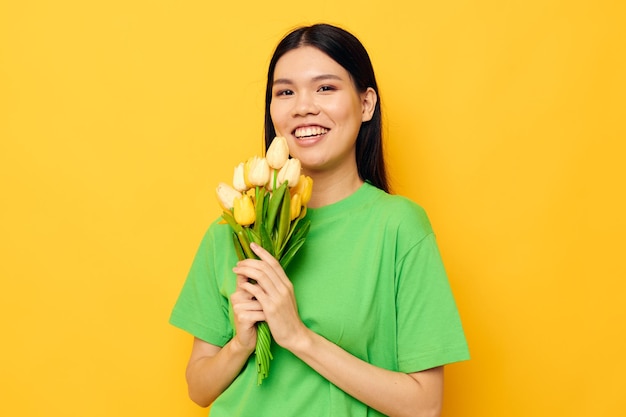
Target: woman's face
{"points": [[316, 106]]}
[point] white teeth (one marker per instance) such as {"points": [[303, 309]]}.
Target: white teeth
{"points": [[302, 132]]}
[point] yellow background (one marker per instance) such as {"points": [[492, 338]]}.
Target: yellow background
{"points": [[505, 120]]}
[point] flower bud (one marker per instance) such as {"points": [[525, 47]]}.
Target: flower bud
{"points": [[252, 194], [304, 188], [256, 172], [244, 212], [226, 195], [278, 153], [238, 178], [295, 206], [290, 172]]}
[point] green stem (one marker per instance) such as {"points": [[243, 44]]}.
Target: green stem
{"points": [[263, 354]]}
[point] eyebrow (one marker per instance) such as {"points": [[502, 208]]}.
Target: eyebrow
{"points": [[322, 77]]}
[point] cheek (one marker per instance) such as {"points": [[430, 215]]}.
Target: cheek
{"points": [[276, 116], [272, 111], [346, 110], [347, 116]]}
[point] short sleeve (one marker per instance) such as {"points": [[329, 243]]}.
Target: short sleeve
{"points": [[202, 308], [429, 327]]}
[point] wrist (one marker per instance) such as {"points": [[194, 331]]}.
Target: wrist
{"points": [[301, 342], [240, 349]]}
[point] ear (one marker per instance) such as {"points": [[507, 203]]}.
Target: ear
{"points": [[368, 102]]}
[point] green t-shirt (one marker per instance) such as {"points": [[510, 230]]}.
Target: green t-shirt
{"points": [[369, 278]]}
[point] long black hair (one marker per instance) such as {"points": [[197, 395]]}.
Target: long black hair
{"points": [[345, 49]]}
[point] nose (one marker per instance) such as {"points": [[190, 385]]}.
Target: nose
{"points": [[304, 104]]}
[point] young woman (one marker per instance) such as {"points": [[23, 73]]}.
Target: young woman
{"points": [[363, 318]]}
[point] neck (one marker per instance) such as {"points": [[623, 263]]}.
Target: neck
{"points": [[330, 187]]}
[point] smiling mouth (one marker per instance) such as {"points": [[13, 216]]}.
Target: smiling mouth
{"points": [[309, 131]]}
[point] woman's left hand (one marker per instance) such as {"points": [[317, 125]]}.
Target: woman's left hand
{"points": [[274, 291]]}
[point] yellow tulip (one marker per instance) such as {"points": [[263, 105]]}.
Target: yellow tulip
{"points": [[226, 195], [278, 153], [295, 206], [290, 172], [256, 172], [304, 188], [252, 193], [238, 178], [244, 211]]}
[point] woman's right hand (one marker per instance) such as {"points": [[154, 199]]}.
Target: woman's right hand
{"points": [[211, 369], [248, 312]]}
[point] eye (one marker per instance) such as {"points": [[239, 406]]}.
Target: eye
{"points": [[285, 92], [326, 88]]}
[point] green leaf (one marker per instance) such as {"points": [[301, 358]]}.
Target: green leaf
{"points": [[240, 233], [291, 252], [253, 236], [240, 255], [302, 231], [284, 221], [297, 231], [274, 205], [245, 244], [259, 201], [228, 216], [266, 241], [266, 202]]}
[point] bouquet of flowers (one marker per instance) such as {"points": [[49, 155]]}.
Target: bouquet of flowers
{"points": [[266, 205]]}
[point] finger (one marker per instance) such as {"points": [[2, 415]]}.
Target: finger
{"points": [[254, 283], [241, 279], [247, 310], [241, 293], [256, 291], [264, 255], [250, 306], [268, 266], [241, 296], [258, 271], [254, 264], [272, 262], [251, 317]]}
